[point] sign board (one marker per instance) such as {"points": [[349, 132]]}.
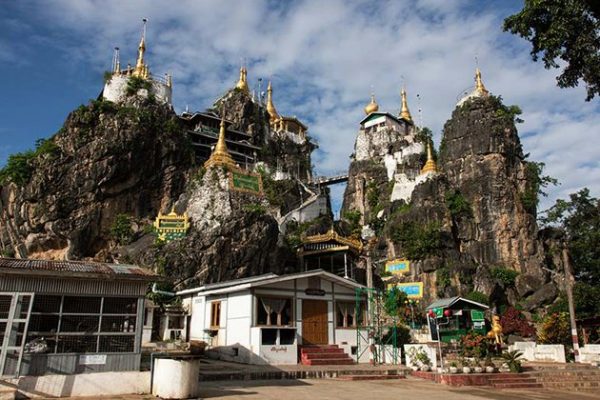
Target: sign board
{"points": [[171, 226], [397, 266], [439, 312], [245, 182], [477, 315], [314, 292], [92, 359], [413, 290]]}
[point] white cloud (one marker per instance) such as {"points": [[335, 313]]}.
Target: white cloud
{"points": [[324, 57]]}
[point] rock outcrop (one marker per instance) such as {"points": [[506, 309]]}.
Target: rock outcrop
{"points": [[469, 227], [107, 160]]}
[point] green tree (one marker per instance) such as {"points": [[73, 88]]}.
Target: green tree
{"points": [[563, 30], [578, 219]]}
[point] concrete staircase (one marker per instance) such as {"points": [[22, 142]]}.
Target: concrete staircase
{"points": [[510, 381], [324, 355], [578, 380]]}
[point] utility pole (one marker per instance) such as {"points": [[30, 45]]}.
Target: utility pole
{"points": [[569, 280]]}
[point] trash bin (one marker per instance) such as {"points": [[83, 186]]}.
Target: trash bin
{"points": [[176, 376]]}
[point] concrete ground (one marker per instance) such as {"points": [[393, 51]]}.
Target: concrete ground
{"points": [[323, 389]]}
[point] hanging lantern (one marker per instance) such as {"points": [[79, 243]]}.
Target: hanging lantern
{"points": [[447, 313], [431, 314]]}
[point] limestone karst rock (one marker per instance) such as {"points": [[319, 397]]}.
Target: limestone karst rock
{"points": [[467, 222], [232, 236], [108, 159]]}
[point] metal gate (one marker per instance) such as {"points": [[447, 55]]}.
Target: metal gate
{"points": [[15, 309]]}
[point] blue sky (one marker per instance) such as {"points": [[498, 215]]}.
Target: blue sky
{"points": [[324, 58]]}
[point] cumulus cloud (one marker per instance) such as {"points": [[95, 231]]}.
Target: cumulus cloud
{"points": [[325, 57]]}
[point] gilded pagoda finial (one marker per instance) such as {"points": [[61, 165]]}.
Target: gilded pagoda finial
{"points": [[430, 165], [243, 81], [479, 87], [220, 155], [270, 106], [404, 112], [372, 106], [141, 69]]}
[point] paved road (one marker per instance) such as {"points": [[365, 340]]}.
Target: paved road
{"points": [[324, 389]]}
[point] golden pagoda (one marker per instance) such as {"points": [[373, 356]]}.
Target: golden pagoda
{"points": [[273, 115], [372, 106], [220, 155], [242, 83], [404, 112], [430, 165], [141, 69], [479, 87]]}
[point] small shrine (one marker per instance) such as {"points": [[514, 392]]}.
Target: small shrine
{"points": [[171, 226], [453, 317], [331, 252]]}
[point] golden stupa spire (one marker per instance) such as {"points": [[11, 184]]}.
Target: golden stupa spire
{"points": [[404, 112], [479, 87], [242, 83], [430, 165], [270, 106], [220, 155], [141, 69], [372, 106]]}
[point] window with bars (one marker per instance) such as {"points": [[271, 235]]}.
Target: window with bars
{"points": [[86, 324]]}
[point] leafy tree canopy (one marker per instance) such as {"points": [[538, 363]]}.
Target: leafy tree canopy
{"points": [[563, 30]]}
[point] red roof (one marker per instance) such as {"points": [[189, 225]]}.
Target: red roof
{"points": [[76, 268]]}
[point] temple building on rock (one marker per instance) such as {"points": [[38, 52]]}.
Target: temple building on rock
{"points": [[136, 80]]}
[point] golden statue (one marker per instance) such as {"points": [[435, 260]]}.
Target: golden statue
{"points": [[496, 331]]}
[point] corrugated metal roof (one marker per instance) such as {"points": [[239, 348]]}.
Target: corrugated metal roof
{"points": [[449, 301], [125, 271]]}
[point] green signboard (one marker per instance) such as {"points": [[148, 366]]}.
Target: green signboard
{"points": [[439, 312], [477, 315], [245, 182]]}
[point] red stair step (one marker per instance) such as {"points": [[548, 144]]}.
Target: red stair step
{"points": [[369, 377]]}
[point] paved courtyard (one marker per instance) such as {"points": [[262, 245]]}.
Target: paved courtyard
{"points": [[323, 389]]}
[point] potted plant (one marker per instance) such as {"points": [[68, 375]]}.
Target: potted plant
{"points": [[466, 367], [477, 368], [412, 358], [513, 360], [489, 365], [453, 368], [423, 360]]}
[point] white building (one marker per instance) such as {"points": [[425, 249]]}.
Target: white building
{"points": [[136, 80], [268, 318]]}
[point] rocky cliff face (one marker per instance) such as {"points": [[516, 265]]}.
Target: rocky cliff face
{"points": [[470, 227], [232, 236], [106, 160]]}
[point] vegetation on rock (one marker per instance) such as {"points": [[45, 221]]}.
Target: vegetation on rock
{"points": [[504, 275], [417, 241], [120, 229]]}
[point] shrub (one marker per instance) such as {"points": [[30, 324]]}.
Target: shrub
{"points": [[457, 204], [535, 183], [513, 360], [473, 344], [121, 230], [504, 275], [478, 297], [394, 302], [514, 322], [255, 209], [353, 218], [19, 166], [417, 241], [555, 329], [397, 335], [136, 83]]}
